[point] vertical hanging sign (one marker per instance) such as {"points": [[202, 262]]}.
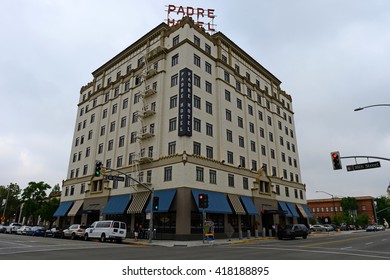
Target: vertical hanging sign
{"points": [[185, 102]]}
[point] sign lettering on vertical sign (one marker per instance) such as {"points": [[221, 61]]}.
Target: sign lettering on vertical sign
{"points": [[185, 102]]}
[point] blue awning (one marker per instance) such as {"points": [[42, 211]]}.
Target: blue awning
{"points": [[292, 208], [117, 204], [249, 205], [284, 207], [63, 209], [165, 200], [307, 210], [218, 202]]}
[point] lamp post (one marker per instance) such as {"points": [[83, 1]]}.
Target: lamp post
{"points": [[334, 205], [375, 105]]}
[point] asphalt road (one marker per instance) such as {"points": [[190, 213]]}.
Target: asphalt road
{"points": [[354, 246]]}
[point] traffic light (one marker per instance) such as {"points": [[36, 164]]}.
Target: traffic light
{"points": [[203, 200], [335, 156], [98, 167], [156, 201]]}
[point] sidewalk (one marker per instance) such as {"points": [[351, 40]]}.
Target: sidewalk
{"points": [[194, 243]]}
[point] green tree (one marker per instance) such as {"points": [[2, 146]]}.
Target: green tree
{"points": [[382, 209], [55, 190], [33, 196], [350, 206], [47, 210], [12, 204]]}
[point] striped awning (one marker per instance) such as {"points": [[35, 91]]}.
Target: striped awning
{"points": [[303, 213], [75, 208], [236, 203], [138, 202]]}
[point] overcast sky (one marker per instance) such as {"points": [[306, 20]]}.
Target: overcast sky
{"points": [[332, 56]]}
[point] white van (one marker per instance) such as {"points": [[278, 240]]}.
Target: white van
{"points": [[106, 230]]}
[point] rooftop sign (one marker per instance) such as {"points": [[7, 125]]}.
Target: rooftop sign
{"points": [[202, 17]]}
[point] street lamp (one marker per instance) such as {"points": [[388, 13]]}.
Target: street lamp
{"points": [[376, 105], [334, 205]]}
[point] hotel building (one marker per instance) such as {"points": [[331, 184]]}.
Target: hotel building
{"points": [[185, 112]]}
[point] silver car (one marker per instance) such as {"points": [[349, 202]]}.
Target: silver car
{"points": [[75, 231]]}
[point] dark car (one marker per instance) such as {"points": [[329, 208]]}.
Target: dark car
{"points": [[293, 230], [36, 231], [54, 232]]}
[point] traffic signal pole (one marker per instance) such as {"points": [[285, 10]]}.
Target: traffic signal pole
{"points": [[151, 229]]}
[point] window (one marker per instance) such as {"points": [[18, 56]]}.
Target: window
{"points": [[227, 95], [229, 135], [196, 60], [231, 180], [213, 176], [172, 124], [197, 80], [112, 126], [123, 121], [241, 141], [207, 48], [287, 192], [239, 104], [168, 173], [240, 122], [209, 152], [110, 145], [119, 161], [197, 148], [208, 67], [242, 161], [121, 141], [209, 108], [209, 129], [230, 158], [245, 183], [175, 40], [196, 40], [173, 102], [209, 87], [228, 114], [197, 102], [199, 174], [174, 80], [197, 125], [125, 103], [175, 59], [172, 148], [227, 77]]}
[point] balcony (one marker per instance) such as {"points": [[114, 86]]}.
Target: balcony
{"points": [[147, 111], [149, 91], [150, 73], [146, 133]]}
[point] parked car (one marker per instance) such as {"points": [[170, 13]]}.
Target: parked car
{"points": [[54, 232], [3, 228], [371, 228], [380, 227], [329, 227], [23, 230], [317, 228], [36, 231], [12, 228], [106, 230], [75, 231], [293, 230]]}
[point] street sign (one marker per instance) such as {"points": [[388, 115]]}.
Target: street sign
{"points": [[114, 178], [361, 166]]}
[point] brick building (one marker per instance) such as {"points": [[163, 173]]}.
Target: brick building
{"points": [[325, 209]]}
